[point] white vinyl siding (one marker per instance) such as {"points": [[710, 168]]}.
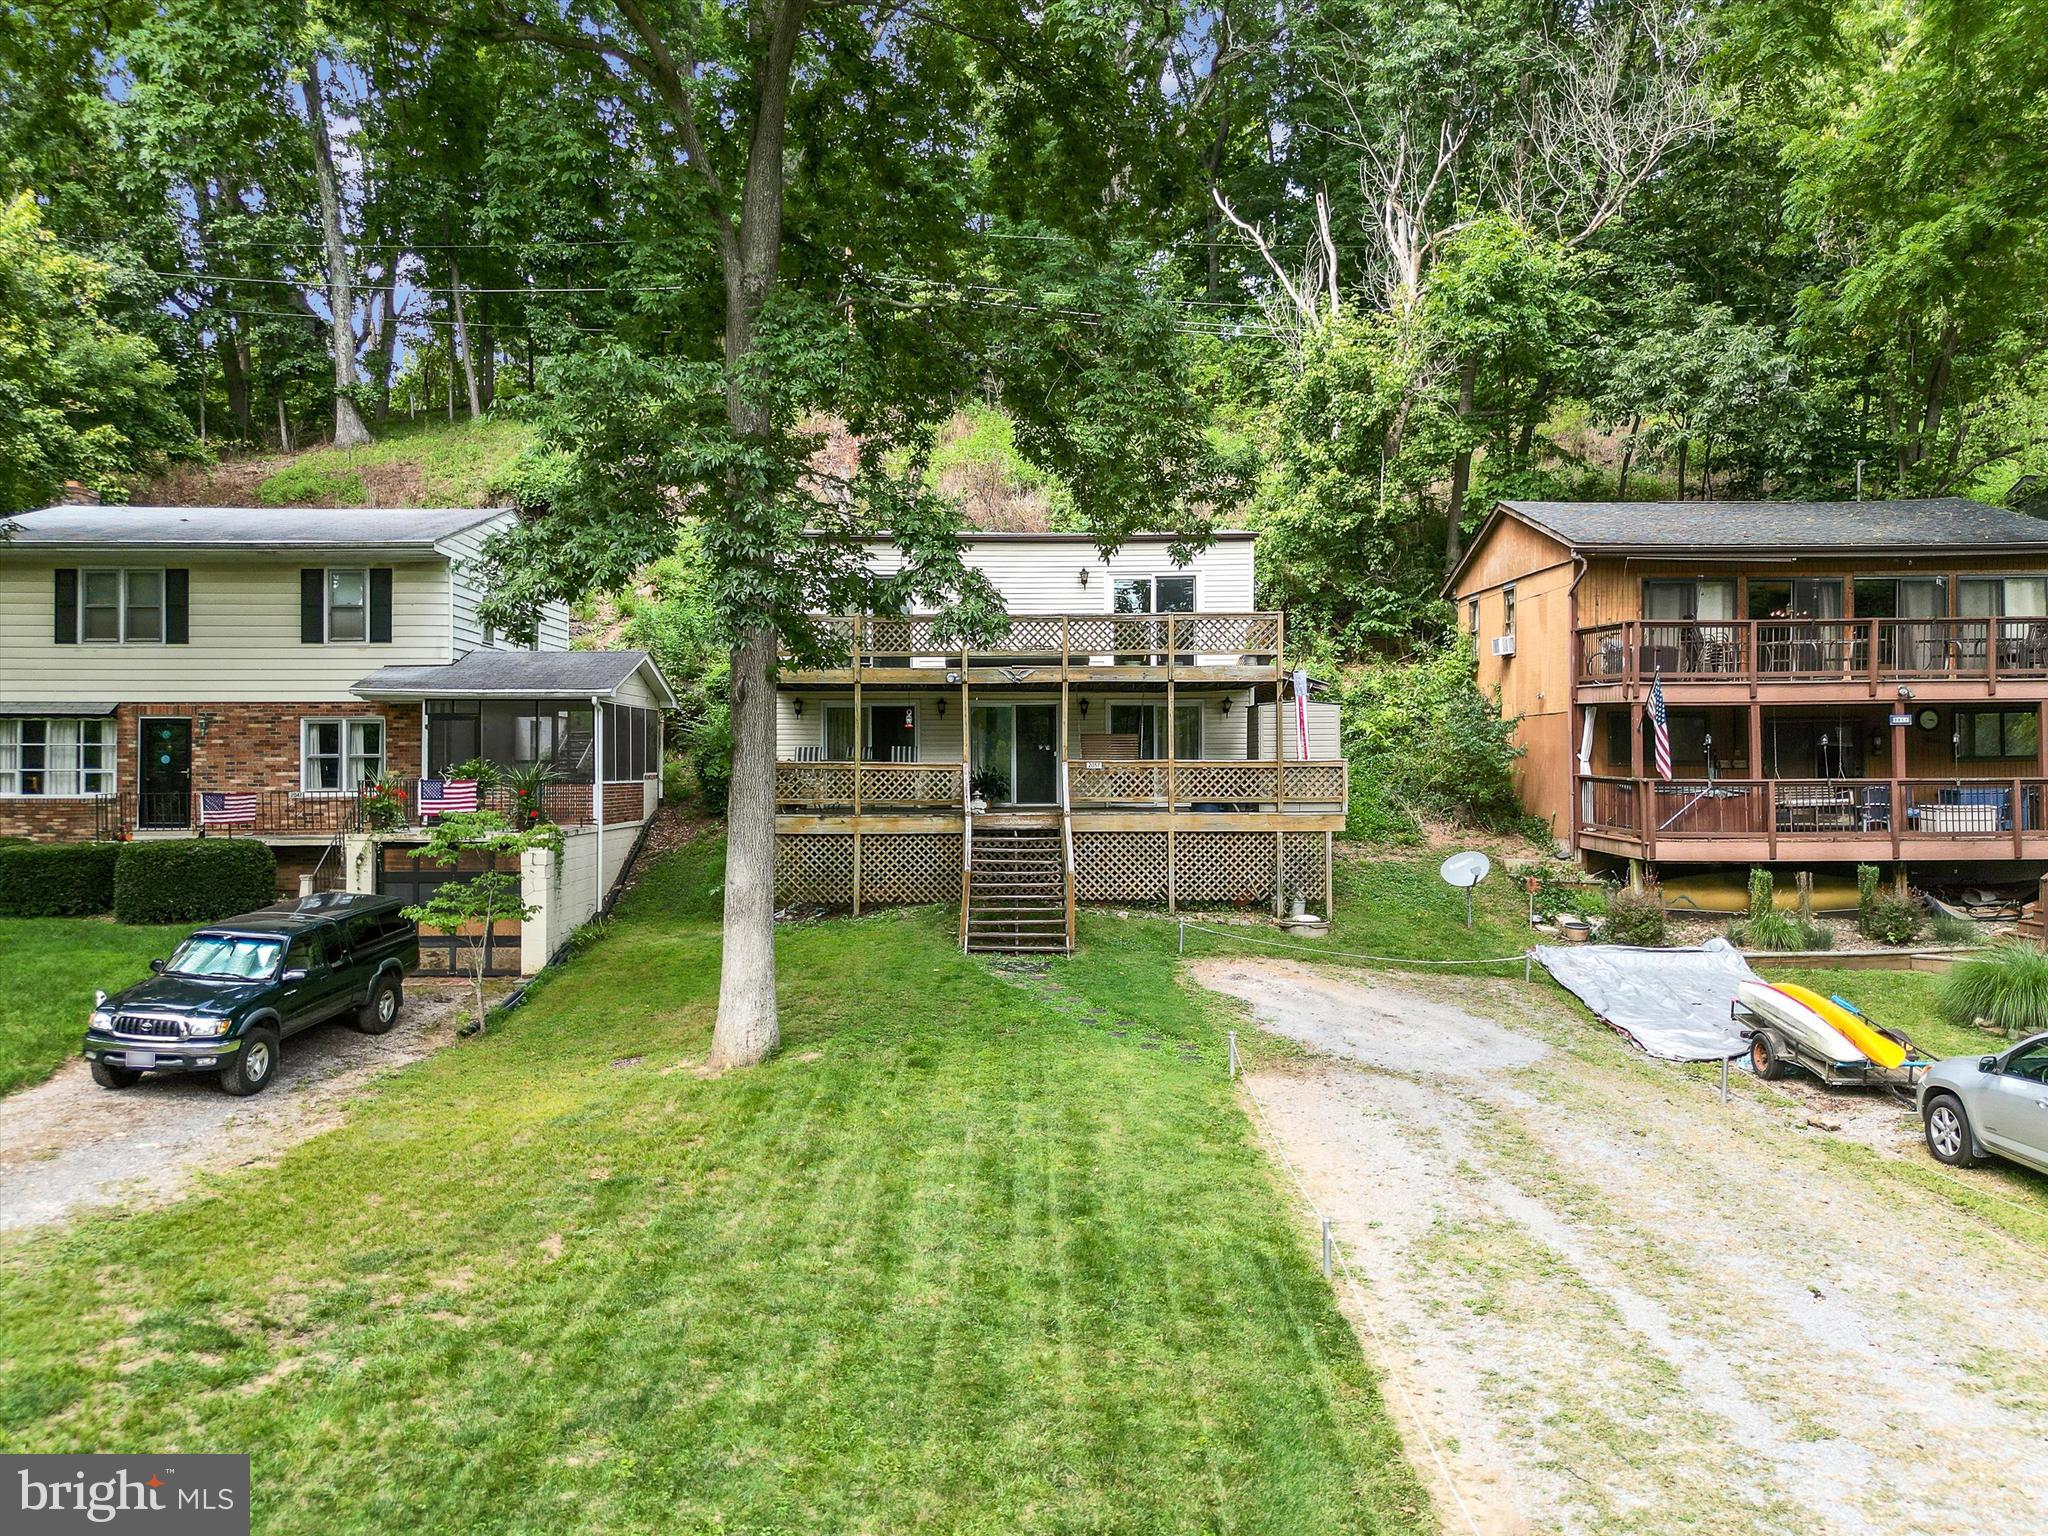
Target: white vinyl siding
{"points": [[466, 594], [1045, 577], [1325, 733], [243, 645]]}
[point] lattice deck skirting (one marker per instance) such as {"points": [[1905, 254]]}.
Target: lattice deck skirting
{"points": [[1139, 869], [896, 869]]}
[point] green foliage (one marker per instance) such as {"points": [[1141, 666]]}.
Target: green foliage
{"points": [[1569, 893], [490, 896], [1634, 917], [193, 880], [1890, 920], [306, 484], [1760, 891], [2006, 989], [80, 398], [1769, 929], [529, 785], [671, 616], [1866, 889], [384, 803], [1423, 741], [1946, 928], [57, 879]]}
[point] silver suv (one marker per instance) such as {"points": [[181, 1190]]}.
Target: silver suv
{"points": [[1974, 1106]]}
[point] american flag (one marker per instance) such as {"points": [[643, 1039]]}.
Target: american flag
{"points": [[1660, 726], [235, 810], [443, 797]]}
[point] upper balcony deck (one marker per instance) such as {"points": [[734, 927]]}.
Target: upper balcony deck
{"points": [[1806, 658], [1049, 648]]}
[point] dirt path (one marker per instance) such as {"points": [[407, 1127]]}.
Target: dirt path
{"points": [[1619, 1305], [67, 1143]]}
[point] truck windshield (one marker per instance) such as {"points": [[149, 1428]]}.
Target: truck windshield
{"points": [[220, 954]]}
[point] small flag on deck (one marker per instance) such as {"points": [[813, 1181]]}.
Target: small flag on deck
{"points": [[225, 810], [443, 797], [1660, 726]]}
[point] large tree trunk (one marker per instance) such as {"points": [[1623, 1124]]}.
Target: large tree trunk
{"points": [[1628, 453], [462, 337], [747, 1029], [234, 374], [387, 346], [1461, 469], [349, 431]]}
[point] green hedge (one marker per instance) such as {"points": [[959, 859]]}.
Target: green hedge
{"points": [[57, 879], [193, 880]]}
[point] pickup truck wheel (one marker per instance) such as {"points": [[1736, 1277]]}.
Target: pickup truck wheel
{"points": [[107, 1075], [1948, 1132], [1767, 1056], [251, 1068], [377, 1015]]}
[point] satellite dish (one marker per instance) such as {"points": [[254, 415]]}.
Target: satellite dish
{"points": [[1465, 870]]}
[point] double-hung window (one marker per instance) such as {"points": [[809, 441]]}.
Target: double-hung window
{"points": [[339, 756], [120, 606], [56, 757], [348, 604]]}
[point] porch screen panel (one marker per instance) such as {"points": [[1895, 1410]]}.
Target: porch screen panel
{"points": [[454, 735]]}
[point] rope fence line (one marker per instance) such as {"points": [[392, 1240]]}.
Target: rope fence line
{"points": [[1333, 1253], [1525, 959]]}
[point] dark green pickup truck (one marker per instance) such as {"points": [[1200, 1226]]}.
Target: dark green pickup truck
{"points": [[235, 990]]}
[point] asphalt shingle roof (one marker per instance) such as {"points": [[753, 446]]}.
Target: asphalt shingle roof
{"points": [[241, 527], [531, 673], [1930, 523]]}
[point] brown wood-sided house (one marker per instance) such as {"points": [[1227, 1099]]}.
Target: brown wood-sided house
{"points": [[1844, 681]]}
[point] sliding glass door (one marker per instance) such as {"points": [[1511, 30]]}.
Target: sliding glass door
{"points": [[1015, 753]]}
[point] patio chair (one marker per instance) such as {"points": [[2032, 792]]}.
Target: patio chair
{"points": [[1877, 808]]}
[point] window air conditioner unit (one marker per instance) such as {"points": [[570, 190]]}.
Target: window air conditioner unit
{"points": [[1503, 645]]}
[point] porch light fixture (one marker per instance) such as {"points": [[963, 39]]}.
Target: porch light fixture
{"points": [[1084, 709], [942, 707], [797, 708], [1084, 575], [1224, 707], [1905, 692]]}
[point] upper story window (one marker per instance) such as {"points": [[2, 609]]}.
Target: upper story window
{"points": [[56, 757], [345, 605], [1472, 617], [1507, 609], [111, 605], [1155, 594]]}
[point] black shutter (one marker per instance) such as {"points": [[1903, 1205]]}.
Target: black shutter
{"points": [[312, 607], [380, 604], [177, 606], [67, 607]]}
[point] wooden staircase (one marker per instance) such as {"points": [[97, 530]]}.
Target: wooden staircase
{"points": [[1018, 889]]}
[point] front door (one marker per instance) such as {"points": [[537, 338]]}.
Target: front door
{"points": [[1038, 757], [165, 782]]}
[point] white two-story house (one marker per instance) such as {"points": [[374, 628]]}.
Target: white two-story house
{"points": [[153, 657], [1132, 739]]}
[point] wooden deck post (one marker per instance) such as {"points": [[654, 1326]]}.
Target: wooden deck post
{"points": [[1172, 726], [856, 869], [1330, 876], [1279, 874], [857, 721]]}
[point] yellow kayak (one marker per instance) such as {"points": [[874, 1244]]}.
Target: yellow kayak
{"points": [[1859, 1032]]}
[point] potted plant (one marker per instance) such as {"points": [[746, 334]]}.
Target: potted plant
{"points": [[987, 786], [384, 804], [529, 783]]}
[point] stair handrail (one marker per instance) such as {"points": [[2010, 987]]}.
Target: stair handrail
{"points": [[966, 849], [1067, 848]]}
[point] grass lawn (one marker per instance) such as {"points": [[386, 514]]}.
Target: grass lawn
{"points": [[982, 1250], [454, 463], [51, 968]]}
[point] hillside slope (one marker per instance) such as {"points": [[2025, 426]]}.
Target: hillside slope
{"points": [[424, 464]]}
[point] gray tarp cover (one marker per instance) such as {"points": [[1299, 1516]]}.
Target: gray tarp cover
{"points": [[1671, 1002]]}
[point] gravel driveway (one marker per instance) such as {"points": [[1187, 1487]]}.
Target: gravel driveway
{"points": [[1620, 1305], [67, 1143]]}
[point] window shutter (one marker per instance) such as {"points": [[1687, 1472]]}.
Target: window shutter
{"points": [[67, 607], [380, 604], [177, 606], [312, 606]]}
